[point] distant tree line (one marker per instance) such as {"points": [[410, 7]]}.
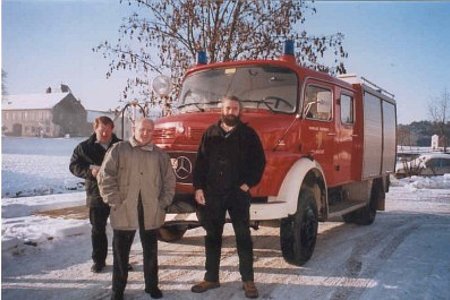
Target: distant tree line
{"points": [[4, 76], [419, 133]]}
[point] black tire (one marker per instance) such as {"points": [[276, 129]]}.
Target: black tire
{"points": [[366, 215], [171, 233], [350, 217], [298, 233]]}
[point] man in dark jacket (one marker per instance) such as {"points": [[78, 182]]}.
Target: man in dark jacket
{"points": [[230, 160], [85, 163]]}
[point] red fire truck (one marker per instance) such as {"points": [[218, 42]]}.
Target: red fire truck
{"points": [[330, 145]]}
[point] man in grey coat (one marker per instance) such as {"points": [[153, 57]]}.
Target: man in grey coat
{"points": [[137, 180]]}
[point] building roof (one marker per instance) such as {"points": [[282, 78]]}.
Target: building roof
{"points": [[32, 101]]}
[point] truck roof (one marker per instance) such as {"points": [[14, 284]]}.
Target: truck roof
{"points": [[367, 84], [282, 62]]}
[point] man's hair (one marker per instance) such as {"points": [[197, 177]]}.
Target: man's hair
{"points": [[144, 119], [232, 98], [103, 120]]}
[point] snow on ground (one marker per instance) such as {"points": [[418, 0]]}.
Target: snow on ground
{"points": [[36, 166], [415, 182], [20, 227], [32, 167], [403, 255]]}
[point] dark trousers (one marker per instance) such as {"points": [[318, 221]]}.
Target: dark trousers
{"points": [[98, 216], [213, 220], [122, 240]]}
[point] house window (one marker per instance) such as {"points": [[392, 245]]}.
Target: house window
{"points": [[347, 114]]}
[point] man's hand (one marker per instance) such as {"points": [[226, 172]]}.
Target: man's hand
{"points": [[245, 187], [95, 170], [200, 197]]}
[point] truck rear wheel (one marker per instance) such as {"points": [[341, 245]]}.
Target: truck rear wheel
{"points": [[298, 233], [366, 215], [171, 233]]}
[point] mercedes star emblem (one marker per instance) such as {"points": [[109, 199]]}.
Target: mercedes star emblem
{"points": [[182, 166]]}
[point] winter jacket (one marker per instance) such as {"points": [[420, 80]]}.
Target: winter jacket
{"points": [[129, 169], [88, 153], [225, 161]]}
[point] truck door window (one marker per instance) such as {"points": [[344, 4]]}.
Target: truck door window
{"points": [[318, 103], [347, 115]]}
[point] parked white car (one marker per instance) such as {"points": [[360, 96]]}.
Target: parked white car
{"points": [[430, 164]]}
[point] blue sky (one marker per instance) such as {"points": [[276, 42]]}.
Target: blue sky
{"points": [[403, 47]]}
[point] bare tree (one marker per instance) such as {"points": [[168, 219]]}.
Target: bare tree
{"points": [[165, 35], [4, 76], [439, 109], [403, 136]]}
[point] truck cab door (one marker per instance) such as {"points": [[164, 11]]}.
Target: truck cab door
{"points": [[318, 127]]}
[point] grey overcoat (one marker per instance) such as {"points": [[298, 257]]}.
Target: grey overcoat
{"points": [[129, 169]]}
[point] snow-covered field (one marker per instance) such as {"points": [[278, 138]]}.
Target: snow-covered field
{"points": [[403, 255], [36, 166]]}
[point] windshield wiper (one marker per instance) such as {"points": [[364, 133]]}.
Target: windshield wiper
{"points": [[196, 104], [258, 102]]}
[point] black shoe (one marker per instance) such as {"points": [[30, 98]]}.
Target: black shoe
{"points": [[130, 267], [155, 293], [204, 286], [250, 289], [97, 268], [117, 295]]}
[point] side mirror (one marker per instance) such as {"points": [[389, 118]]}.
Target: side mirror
{"points": [[161, 85]]}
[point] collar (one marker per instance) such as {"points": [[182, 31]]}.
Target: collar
{"points": [[134, 143], [219, 124], [104, 144], [93, 139]]}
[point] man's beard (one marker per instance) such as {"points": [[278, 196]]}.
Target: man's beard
{"points": [[230, 120]]}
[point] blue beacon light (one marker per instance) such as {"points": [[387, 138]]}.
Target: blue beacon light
{"points": [[201, 58]]}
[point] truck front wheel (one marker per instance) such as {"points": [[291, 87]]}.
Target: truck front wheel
{"points": [[298, 233]]}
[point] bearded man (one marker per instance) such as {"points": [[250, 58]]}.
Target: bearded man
{"points": [[230, 160]]}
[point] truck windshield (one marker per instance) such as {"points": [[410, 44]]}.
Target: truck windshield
{"points": [[259, 87]]}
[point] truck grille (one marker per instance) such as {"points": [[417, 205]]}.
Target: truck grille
{"points": [[192, 136], [164, 133], [183, 165], [195, 134]]}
